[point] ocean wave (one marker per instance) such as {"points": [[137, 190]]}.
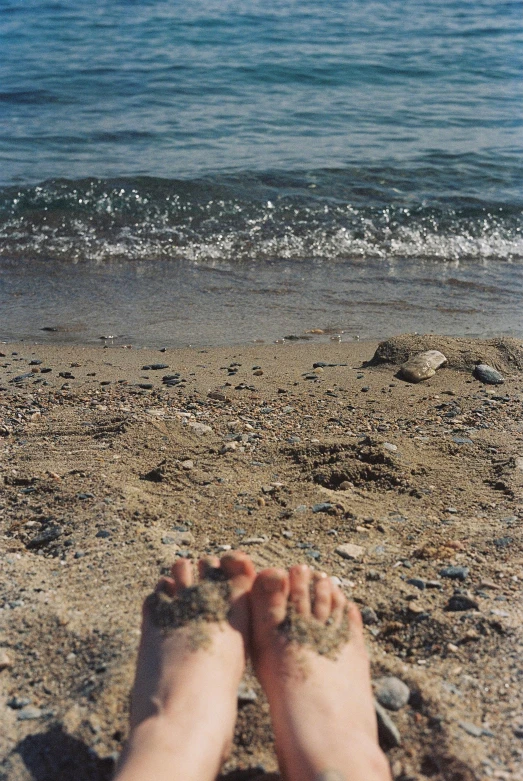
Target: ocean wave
{"points": [[328, 215]]}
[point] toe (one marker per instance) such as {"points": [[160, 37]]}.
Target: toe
{"points": [[181, 572], [166, 586], [321, 596], [240, 571], [269, 597], [300, 578]]}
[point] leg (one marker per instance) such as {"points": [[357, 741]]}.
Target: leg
{"points": [[321, 705], [184, 696]]}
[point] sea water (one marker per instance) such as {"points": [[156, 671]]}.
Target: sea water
{"points": [[218, 172]]}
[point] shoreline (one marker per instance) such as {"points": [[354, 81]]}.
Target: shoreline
{"points": [[105, 482]]}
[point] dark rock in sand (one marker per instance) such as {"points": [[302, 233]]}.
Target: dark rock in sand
{"points": [[485, 373], [455, 573], [388, 733], [44, 538], [460, 602]]}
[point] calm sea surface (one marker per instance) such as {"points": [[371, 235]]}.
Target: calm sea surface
{"points": [[227, 171]]}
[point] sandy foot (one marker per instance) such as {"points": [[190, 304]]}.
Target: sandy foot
{"points": [[184, 697], [321, 707]]}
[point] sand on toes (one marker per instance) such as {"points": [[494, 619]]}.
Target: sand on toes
{"points": [[310, 657], [190, 662]]}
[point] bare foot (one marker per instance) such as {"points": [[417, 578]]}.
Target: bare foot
{"points": [[185, 691], [321, 707]]}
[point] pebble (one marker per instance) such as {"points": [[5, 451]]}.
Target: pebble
{"points": [[350, 551], [322, 507], [5, 660], [254, 540], [217, 395], [455, 573], [422, 366], [391, 692], [369, 616], [389, 734], [472, 729], [485, 373], [228, 447], [47, 536], [199, 428], [461, 602], [417, 582], [103, 533], [390, 447], [246, 693], [16, 703], [29, 713]]}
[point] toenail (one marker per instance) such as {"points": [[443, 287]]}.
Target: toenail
{"points": [[273, 584]]}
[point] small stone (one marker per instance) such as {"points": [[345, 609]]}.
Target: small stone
{"points": [[79, 554], [416, 609], [322, 507], [44, 538], [455, 573], [199, 428], [350, 551], [103, 534], [518, 462], [471, 729], [369, 616], [485, 373], [390, 447], [217, 395], [389, 735], [5, 660], [422, 366], [460, 602], [254, 540], [228, 447], [29, 713], [258, 372], [392, 693], [417, 582], [346, 485], [16, 703], [246, 693]]}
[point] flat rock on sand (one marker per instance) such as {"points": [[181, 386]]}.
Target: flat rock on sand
{"points": [[504, 353], [422, 366]]}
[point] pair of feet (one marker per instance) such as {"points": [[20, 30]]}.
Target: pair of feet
{"points": [[185, 694]]}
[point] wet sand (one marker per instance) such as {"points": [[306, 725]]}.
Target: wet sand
{"points": [[410, 495]]}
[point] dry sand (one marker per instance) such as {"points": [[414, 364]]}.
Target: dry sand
{"points": [[105, 482]]}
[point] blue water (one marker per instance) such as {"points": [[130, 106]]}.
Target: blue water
{"points": [[276, 134]]}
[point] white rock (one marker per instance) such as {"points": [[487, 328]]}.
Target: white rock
{"points": [[422, 366], [199, 428], [350, 551]]}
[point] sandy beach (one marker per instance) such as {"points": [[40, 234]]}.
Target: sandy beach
{"points": [[116, 460]]}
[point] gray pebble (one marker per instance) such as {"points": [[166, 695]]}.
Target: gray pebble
{"points": [[392, 693], [455, 573], [460, 602], [485, 373], [389, 735], [322, 507], [103, 533], [246, 693], [18, 702], [369, 616], [28, 713], [417, 582], [476, 732]]}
